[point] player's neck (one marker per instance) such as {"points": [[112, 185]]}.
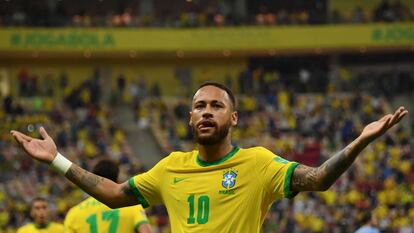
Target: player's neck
{"points": [[215, 152]]}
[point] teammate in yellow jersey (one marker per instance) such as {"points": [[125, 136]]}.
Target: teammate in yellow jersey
{"points": [[219, 188], [91, 216], [40, 213]]}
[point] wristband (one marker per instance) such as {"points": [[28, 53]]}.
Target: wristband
{"points": [[61, 164]]}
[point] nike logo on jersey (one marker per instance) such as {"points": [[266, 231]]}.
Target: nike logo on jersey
{"points": [[177, 180]]}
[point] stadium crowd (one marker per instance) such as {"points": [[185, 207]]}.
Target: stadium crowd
{"points": [[82, 128], [304, 122], [193, 13], [306, 116]]}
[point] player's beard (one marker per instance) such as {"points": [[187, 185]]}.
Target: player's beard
{"points": [[219, 135]]}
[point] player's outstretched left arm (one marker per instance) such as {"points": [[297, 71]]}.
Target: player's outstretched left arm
{"points": [[106, 191], [321, 178]]}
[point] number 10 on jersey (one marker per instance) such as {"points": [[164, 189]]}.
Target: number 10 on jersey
{"points": [[203, 209]]}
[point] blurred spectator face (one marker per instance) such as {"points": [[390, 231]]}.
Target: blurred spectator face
{"points": [[212, 115], [40, 212]]}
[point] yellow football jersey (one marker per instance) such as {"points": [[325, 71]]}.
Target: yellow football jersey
{"points": [[50, 228], [91, 216], [232, 194]]}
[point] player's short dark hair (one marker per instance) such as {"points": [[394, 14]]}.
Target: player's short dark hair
{"points": [[108, 169], [222, 87], [36, 199]]}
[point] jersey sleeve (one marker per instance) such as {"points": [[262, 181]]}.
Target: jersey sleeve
{"points": [[147, 186], [140, 217], [276, 173]]}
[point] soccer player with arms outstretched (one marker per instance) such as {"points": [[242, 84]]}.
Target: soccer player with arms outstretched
{"points": [[219, 187]]}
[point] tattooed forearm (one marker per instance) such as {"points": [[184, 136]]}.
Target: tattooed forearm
{"points": [[304, 178], [84, 179], [127, 190], [110, 193], [321, 178]]}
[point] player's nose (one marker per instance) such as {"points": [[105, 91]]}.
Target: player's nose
{"points": [[207, 112], [207, 115]]}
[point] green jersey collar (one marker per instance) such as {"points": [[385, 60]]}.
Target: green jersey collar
{"points": [[37, 226], [221, 160]]}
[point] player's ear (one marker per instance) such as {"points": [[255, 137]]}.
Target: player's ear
{"points": [[190, 113], [234, 118]]}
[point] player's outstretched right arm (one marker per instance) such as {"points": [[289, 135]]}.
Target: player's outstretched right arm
{"points": [[106, 191]]}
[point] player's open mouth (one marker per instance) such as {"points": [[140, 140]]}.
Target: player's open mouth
{"points": [[206, 125]]}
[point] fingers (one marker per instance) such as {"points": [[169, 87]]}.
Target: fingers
{"points": [[43, 133], [20, 137], [386, 117], [386, 122], [399, 114], [396, 113]]}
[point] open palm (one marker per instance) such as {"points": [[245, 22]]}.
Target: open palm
{"points": [[378, 128], [41, 149]]}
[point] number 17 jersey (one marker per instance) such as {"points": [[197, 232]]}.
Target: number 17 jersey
{"points": [[231, 195], [91, 216]]}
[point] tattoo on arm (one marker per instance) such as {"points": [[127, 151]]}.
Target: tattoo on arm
{"points": [[127, 190], [321, 178], [106, 191], [86, 180], [304, 178]]}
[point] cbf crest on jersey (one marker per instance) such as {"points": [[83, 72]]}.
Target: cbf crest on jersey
{"points": [[229, 179]]}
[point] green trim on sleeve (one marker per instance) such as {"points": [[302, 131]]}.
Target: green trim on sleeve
{"points": [[288, 180], [139, 224], [139, 196]]}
